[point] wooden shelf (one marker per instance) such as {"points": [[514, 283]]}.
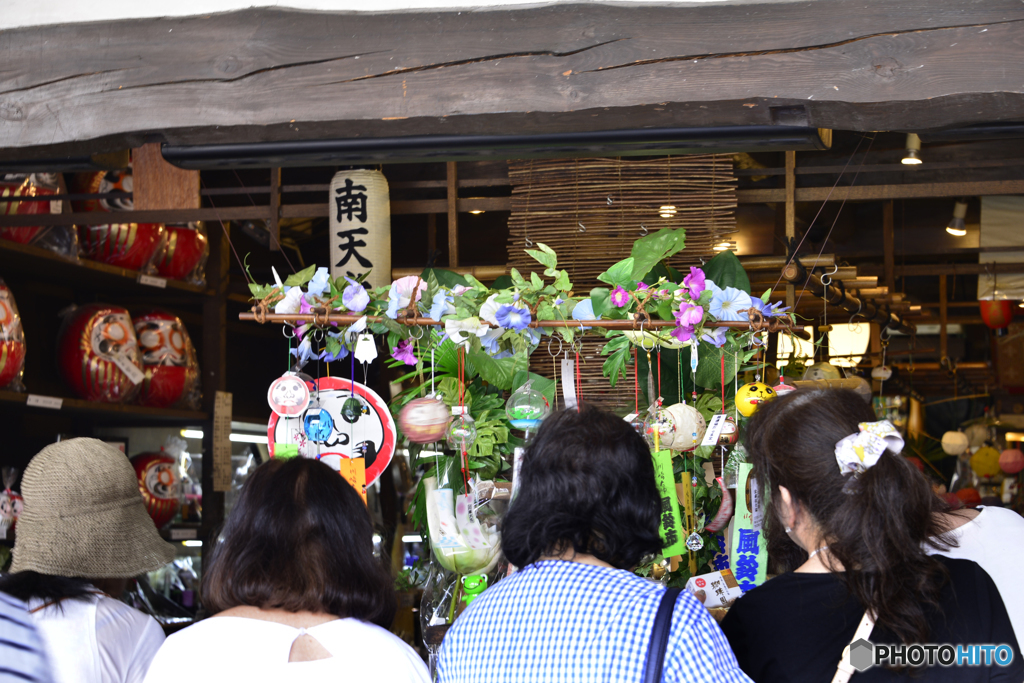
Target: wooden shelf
{"points": [[117, 411], [24, 258]]}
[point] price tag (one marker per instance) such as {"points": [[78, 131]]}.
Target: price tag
{"points": [[152, 281], [184, 534], [56, 206], [51, 402], [756, 505], [130, 369], [714, 430]]}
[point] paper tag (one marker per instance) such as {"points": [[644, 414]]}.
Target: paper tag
{"points": [[671, 525], [469, 525], [748, 556], [56, 206], [444, 530], [130, 369], [152, 281], [183, 534], [517, 463], [629, 418], [569, 382], [354, 472], [714, 430], [693, 355], [51, 402], [756, 504]]}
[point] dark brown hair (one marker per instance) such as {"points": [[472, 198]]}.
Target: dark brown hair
{"points": [[587, 483], [300, 539], [877, 531]]}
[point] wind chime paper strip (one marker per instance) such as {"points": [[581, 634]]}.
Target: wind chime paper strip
{"points": [[671, 528], [749, 555], [354, 472], [714, 430], [360, 226], [569, 382]]}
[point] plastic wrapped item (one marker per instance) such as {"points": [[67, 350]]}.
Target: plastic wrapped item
{"points": [[463, 527], [60, 239], [169, 361], [182, 254], [160, 484], [12, 342], [98, 354], [10, 502], [169, 594], [126, 245]]}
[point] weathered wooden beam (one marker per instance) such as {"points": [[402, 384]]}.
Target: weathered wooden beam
{"points": [[244, 76], [453, 214], [159, 185], [779, 262], [928, 270], [877, 192], [274, 224]]}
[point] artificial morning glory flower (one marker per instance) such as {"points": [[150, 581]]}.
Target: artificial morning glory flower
{"points": [[491, 340], [303, 353], [320, 283], [694, 282], [727, 303], [441, 305], [403, 352], [620, 297], [688, 316], [584, 310], [514, 318], [460, 331], [291, 302], [767, 310], [489, 310], [715, 337], [683, 333], [355, 298], [402, 292], [325, 355]]}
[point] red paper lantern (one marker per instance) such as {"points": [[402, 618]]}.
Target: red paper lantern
{"points": [[98, 354], [168, 359], [1011, 461], [184, 248], [969, 497], [997, 313], [160, 485]]}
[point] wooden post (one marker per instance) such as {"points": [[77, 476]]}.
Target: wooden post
{"points": [[158, 185], [773, 349], [889, 269], [431, 235], [790, 215], [943, 319], [214, 372], [274, 225], [453, 216]]}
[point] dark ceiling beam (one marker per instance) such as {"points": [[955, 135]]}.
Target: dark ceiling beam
{"points": [[882, 192], [270, 75]]}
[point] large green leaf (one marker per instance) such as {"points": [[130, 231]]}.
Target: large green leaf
{"points": [[498, 372], [727, 271], [620, 275], [300, 278], [656, 247], [709, 367], [445, 278]]}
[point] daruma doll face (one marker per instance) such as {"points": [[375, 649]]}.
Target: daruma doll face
{"points": [[288, 396]]}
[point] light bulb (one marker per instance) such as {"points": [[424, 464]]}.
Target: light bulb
{"points": [[912, 154]]}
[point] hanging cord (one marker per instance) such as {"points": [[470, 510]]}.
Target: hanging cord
{"points": [[636, 383], [269, 232], [579, 382]]}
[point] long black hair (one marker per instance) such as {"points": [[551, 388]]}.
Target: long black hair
{"points": [[587, 484], [28, 585], [300, 539], [877, 531]]}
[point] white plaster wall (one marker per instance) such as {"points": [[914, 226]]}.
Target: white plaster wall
{"points": [[38, 13]]}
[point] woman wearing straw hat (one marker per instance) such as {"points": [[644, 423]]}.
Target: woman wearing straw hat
{"points": [[83, 533]]}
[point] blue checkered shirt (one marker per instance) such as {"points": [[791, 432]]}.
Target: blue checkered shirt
{"points": [[566, 621]]}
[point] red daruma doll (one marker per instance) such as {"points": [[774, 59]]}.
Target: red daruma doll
{"points": [[159, 484], [183, 253], [12, 342], [168, 360], [98, 354], [17, 193], [126, 245]]}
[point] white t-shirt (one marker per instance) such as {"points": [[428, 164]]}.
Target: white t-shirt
{"points": [[242, 649], [97, 640], [995, 540]]}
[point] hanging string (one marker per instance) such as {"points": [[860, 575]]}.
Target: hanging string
{"points": [[679, 374], [659, 375], [636, 383], [579, 383], [723, 383], [431, 371]]}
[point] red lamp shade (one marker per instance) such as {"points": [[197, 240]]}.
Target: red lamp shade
{"points": [[997, 314], [159, 484]]}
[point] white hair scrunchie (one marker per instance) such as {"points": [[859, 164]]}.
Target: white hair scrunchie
{"points": [[858, 452]]}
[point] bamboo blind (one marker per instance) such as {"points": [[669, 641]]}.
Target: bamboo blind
{"points": [[590, 211]]}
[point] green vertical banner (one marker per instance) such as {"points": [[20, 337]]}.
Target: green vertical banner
{"points": [[749, 557], [671, 525]]}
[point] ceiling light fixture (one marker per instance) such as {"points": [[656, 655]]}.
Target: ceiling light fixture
{"points": [[477, 212], [956, 225], [912, 156], [722, 246]]}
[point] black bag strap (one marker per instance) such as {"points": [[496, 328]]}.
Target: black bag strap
{"points": [[659, 636]]}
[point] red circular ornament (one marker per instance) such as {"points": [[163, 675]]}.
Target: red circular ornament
{"points": [[372, 435], [997, 314], [424, 420], [288, 395], [184, 248], [168, 359], [160, 485], [96, 351], [1011, 461]]}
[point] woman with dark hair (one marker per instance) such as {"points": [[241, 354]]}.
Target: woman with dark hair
{"points": [[296, 589], [851, 519], [586, 512]]}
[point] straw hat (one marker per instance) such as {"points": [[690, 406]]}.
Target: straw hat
{"points": [[84, 515]]}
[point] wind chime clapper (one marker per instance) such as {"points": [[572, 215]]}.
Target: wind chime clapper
{"points": [[321, 317]]}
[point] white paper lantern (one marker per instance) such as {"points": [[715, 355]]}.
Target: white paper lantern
{"points": [[360, 217], [821, 370], [977, 434], [954, 443]]}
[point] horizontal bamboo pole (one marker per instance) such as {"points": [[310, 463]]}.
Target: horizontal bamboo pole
{"points": [[780, 262], [479, 272], [847, 383]]}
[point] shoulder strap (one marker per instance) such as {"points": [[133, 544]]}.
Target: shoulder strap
{"points": [[659, 636], [844, 671]]}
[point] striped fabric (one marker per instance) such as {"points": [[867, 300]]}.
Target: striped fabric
{"points": [[578, 623], [21, 651]]}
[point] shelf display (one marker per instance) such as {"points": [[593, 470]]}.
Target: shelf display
{"points": [[168, 360], [12, 342], [183, 253], [60, 239], [98, 354], [126, 245], [160, 485]]}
